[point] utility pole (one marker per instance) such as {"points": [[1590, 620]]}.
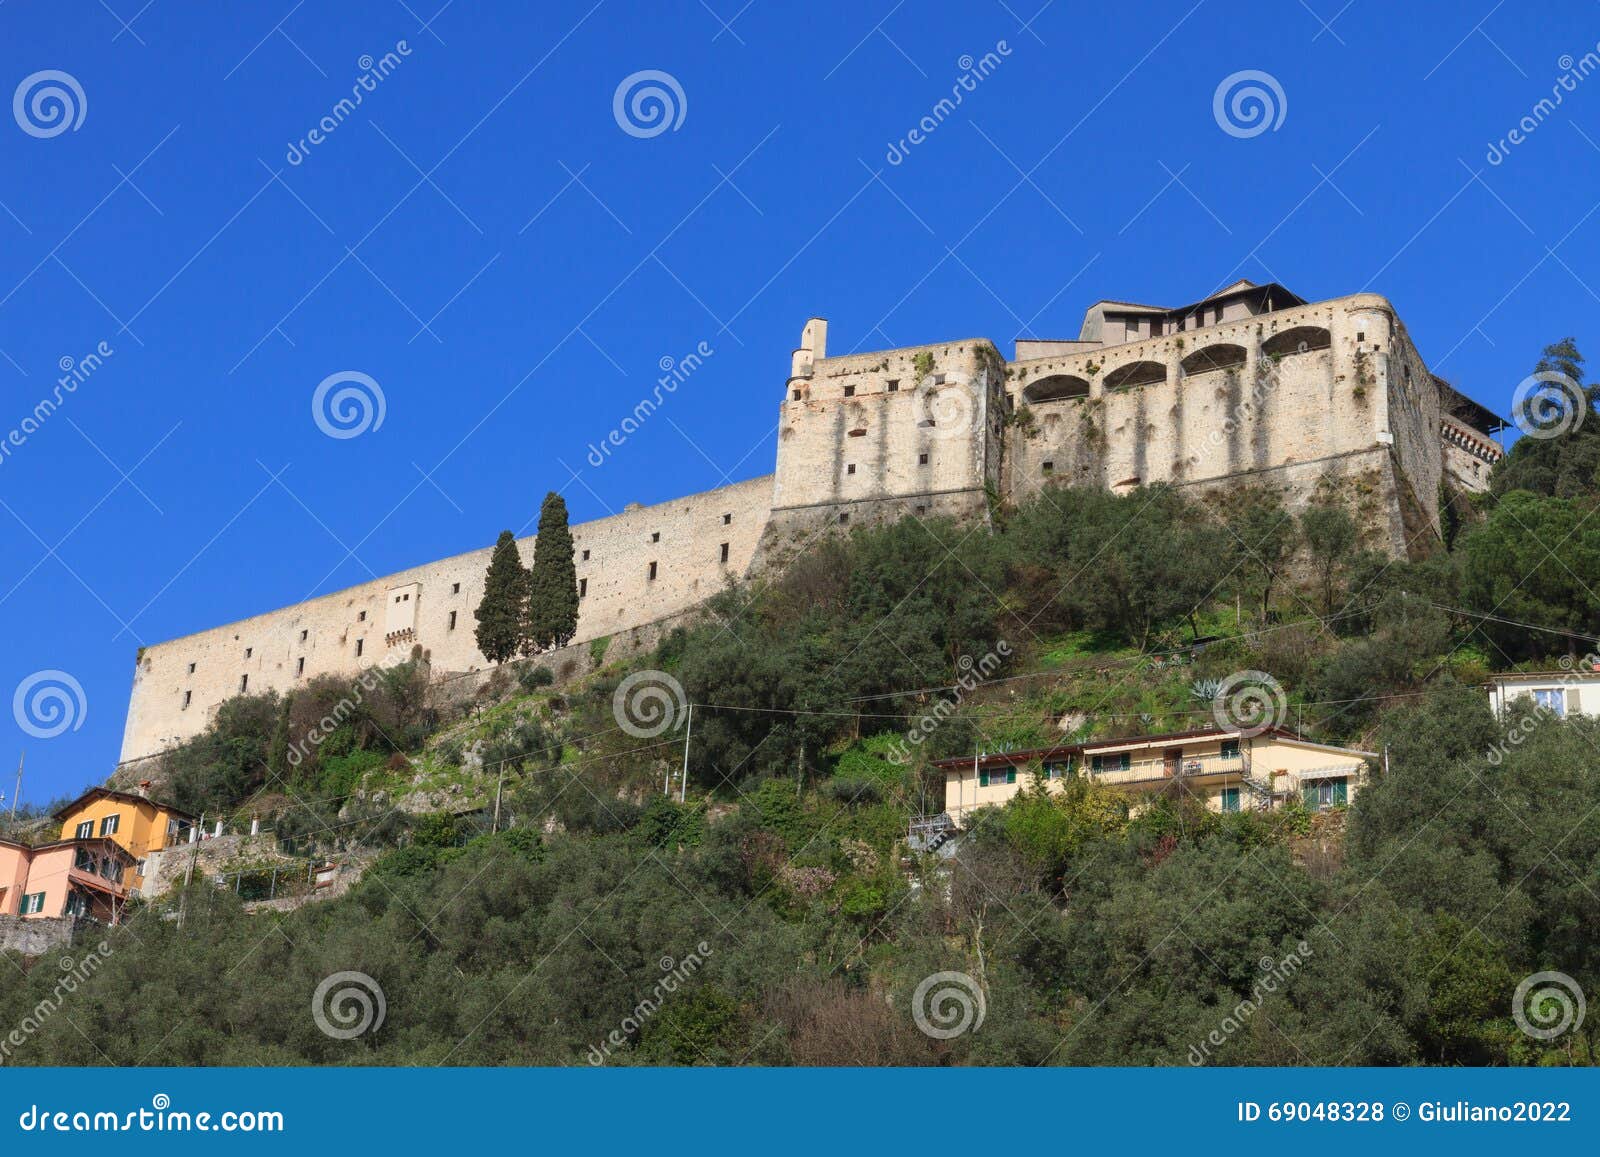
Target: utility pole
{"points": [[188, 875], [18, 795], [495, 826], [683, 782]]}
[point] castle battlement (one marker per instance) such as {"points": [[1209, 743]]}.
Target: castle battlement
{"points": [[1250, 385]]}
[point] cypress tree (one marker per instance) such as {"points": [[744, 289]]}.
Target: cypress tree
{"points": [[553, 583], [502, 614]]}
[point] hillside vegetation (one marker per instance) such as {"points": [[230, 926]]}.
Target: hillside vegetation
{"points": [[780, 896]]}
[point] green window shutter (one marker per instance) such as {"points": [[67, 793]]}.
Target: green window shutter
{"points": [[1011, 775], [1309, 795], [1126, 762], [983, 779], [1341, 792]]}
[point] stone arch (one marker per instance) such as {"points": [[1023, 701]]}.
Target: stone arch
{"points": [[1055, 387], [1302, 339], [1222, 356], [1136, 374]]}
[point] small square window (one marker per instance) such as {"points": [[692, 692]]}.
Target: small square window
{"points": [[849, 391], [248, 651], [850, 469], [922, 508], [655, 536], [844, 517], [108, 825], [1049, 467], [1361, 335], [304, 635], [726, 519], [85, 830], [585, 556], [455, 588], [191, 668], [894, 385], [362, 617], [797, 395], [922, 459]]}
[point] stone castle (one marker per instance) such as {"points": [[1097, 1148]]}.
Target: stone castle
{"points": [[1252, 385]]}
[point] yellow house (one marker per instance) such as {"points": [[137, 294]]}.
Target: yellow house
{"points": [[139, 824], [1229, 771]]}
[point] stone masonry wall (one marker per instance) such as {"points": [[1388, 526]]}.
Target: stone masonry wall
{"points": [[1329, 397], [38, 935], [1286, 415], [180, 684]]}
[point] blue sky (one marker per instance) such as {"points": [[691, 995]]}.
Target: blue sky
{"points": [[483, 239]]}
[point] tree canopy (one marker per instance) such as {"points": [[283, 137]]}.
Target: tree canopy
{"points": [[553, 581], [503, 613]]}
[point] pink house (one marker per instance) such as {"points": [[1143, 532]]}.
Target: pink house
{"points": [[65, 878]]}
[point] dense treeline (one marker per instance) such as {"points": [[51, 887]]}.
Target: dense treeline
{"points": [[1394, 933], [1096, 940]]}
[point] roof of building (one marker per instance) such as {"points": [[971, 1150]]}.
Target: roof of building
{"points": [[1277, 295], [1464, 409], [1087, 746], [1542, 676], [1131, 305], [106, 843], [65, 810]]}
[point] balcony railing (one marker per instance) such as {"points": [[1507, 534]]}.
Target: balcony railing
{"points": [[1161, 768]]}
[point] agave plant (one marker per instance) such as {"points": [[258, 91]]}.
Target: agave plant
{"points": [[1205, 690]]}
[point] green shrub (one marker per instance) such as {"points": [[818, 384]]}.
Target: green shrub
{"points": [[531, 678]]}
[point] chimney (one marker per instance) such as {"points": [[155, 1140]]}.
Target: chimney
{"points": [[144, 788]]}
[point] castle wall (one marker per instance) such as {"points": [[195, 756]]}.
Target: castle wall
{"points": [[1414, 414], [179, 685], [1282, 399], [1325, 399], [1468, 456], [872, 427]]}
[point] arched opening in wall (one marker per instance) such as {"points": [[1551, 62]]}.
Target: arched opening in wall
{"points": [[1214, 357], [1056, 387], [1302, 339], [1136, 374]]}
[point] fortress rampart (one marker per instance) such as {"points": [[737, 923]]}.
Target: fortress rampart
{"points": [[1251, 385]]}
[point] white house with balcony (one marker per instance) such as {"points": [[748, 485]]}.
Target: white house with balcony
{"points": [[1227, 770]]}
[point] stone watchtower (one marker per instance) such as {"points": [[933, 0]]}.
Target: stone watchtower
{"points": [[869, 437]]}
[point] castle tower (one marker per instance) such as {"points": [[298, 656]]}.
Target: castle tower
{"points": [[874, 436]]}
